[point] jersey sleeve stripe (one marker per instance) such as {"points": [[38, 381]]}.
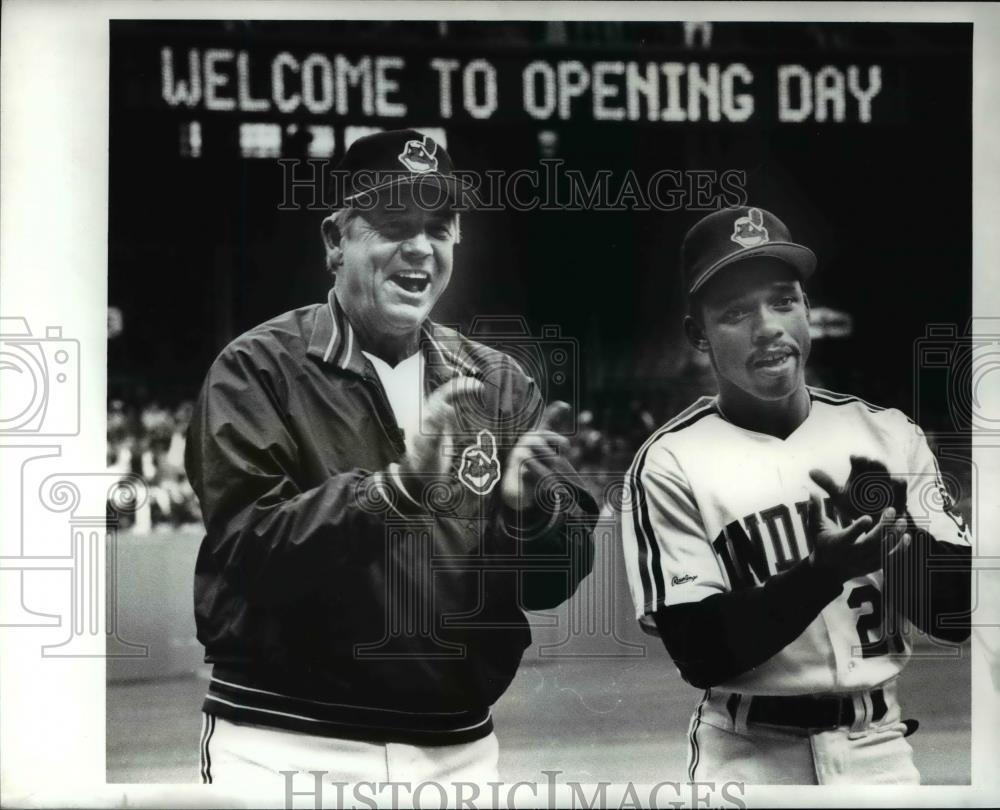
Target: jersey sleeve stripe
{"points": [[649, 551]]}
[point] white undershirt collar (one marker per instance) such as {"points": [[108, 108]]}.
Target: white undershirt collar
{"points": [[404, 387]]}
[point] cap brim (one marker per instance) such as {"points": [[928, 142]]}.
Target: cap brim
{"points": [[448, 182], [801, 258]]}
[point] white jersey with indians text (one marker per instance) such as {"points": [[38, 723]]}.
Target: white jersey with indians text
{"points": [[711, 507]]}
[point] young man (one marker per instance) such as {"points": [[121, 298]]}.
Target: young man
{"points": [[777, 535], [373, 535]]}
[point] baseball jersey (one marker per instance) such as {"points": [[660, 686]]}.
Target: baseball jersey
{"points": [[711, 507]]}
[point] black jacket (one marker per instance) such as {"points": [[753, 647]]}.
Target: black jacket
{"points": [[336, 598]]}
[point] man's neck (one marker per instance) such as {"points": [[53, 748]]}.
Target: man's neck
{"points": [[778, 417], [392, 348]]}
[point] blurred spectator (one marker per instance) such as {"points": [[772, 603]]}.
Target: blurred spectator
{"points": [[150, 443], [119, 439], [182, 417]]}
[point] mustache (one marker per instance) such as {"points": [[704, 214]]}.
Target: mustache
{"points": [[770, 351]]}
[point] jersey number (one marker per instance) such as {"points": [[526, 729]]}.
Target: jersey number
{"points": [[872, 621]]}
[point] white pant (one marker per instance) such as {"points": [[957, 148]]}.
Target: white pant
{"points": [[722, 750], [248, 755]]}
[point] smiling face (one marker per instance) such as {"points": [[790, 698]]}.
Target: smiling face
{"points": [[753, 319], [392, 266]]}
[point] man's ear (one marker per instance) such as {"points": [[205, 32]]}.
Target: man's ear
{"points": [[805, 299], [695, 333], [331, 233], [331, 239]]}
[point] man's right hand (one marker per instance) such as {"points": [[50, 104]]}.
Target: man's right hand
{"points": [[858, 548], [432, 450]]}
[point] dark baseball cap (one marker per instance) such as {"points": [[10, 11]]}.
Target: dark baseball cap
{"points": [[732, 235], [377, 162]]}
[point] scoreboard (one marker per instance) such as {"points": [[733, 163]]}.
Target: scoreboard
{"points": [[222, 134], [309, 95]]}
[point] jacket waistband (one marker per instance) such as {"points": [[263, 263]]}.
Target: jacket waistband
{"points": [[232, 697]]}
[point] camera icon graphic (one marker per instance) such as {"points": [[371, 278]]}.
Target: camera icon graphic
{"points": [[956, 374], [549, 358], [40, 378]]}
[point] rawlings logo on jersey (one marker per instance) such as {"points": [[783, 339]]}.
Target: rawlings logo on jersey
{"points": [[683, 579], [479, 469], [749, 231], [418, 156]]}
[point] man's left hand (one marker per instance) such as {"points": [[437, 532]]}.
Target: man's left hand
{"points": [[869, 490], [533, 456]]}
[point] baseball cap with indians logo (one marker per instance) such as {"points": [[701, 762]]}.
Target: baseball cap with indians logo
{"points": [[376, 163], [732, 235]]}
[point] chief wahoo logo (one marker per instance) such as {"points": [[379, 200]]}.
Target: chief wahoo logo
{"points": [[480, 467], [749, 231], [419, 156]]}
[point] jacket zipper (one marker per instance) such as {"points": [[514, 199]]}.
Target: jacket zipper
{"points": [[384, 415]]}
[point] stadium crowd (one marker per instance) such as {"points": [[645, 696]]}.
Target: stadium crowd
{"points": [[148, 441]]}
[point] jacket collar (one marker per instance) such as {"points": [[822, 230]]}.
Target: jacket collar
{"points": [[445, 355], [333, 341]]}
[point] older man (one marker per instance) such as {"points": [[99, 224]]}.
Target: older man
{"points": [[370, 486]]}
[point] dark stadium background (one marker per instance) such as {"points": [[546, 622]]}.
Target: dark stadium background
{"points": [[199, 252]]}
